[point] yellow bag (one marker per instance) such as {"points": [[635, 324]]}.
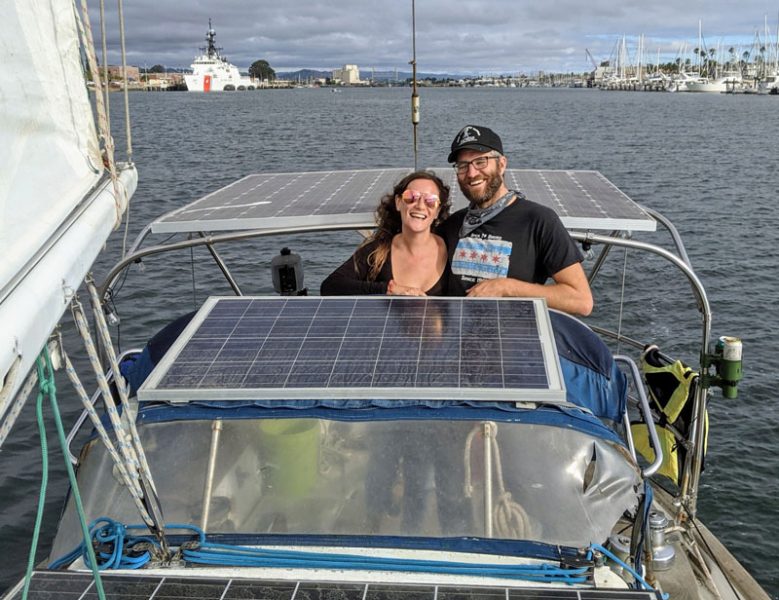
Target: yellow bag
{"points": [[672, 389], [674, 452]]}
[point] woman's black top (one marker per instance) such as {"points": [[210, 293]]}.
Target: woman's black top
{"points": [[351, 278]]}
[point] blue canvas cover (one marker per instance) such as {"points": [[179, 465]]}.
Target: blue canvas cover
{"points": [[592, 378]]}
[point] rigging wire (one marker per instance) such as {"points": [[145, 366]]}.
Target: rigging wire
{"points": [[104, 44], [128, 130], [85, 30]]}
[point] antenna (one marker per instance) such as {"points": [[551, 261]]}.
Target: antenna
{"points": [[414, 95]]}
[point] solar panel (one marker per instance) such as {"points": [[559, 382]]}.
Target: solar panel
{"points": [[69, 585], [582, 199], [367, 347]]}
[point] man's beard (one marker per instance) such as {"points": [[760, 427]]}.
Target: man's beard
{"points": [[494, 182]]}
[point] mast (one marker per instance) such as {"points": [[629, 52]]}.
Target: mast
{"points": [[211, 49], [414, 95]]}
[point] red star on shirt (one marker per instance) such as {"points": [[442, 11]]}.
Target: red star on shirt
{"points": [[484, 257], [474, 254], [496, 258], [462, 253]]}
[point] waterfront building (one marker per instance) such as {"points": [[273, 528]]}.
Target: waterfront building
{"points": [[348, 75]]}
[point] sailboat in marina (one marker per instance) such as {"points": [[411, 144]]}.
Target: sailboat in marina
{"points": [[290, 446]]}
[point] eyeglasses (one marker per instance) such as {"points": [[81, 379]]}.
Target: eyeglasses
{"points": [[479, 163], [411, 196]]}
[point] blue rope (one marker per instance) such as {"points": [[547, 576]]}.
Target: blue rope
{"points": [[116, 547], [107, 532], [646, 508], [241, 556], [627, 567]]}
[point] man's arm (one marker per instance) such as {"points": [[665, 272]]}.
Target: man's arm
{"points": [[570, 291]]}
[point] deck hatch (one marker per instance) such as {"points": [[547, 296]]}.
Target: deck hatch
{"points": [[67, 585], [369, 348], [584, 200]]}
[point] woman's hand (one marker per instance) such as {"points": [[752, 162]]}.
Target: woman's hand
{"points": [[394, 289]]}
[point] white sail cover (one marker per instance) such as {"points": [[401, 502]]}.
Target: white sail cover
{"points": [[55, 213], [48, 146]]}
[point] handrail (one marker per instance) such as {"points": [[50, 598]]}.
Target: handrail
{"points": [[677, 239], [132, 257], [646, 411]]}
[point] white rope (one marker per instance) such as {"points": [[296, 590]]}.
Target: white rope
{"points": [[121, 384], [106, 439], [510, 520], [125, 446], [102, 117], [19, 401]]}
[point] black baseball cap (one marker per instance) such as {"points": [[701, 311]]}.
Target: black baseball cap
{"points": [[475, 137]]}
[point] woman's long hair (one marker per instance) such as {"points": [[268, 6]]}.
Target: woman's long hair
{"points": [[388, 223]]}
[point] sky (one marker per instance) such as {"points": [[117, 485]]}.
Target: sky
{"points": [[452, 36]]}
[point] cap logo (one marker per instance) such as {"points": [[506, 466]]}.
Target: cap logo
{"points": [[467, 134]]}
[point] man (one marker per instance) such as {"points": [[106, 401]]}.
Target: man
{"points": [[504, 244]]}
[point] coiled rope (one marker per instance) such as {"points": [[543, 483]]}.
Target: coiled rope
{"points": [[118, 550], [509, 518]]}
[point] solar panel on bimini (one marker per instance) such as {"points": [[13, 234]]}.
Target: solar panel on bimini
{"points": [[582, 199], [364, 347]]}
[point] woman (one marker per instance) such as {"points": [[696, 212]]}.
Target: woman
{"points": [[403, 256]]}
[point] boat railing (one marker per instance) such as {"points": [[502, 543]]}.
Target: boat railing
{"points": [[646, 412]]}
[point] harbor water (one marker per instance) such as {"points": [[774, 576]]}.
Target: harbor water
{"points": [[706, 161]]}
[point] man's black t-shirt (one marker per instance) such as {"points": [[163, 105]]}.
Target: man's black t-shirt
{"points": [[525, 241]]}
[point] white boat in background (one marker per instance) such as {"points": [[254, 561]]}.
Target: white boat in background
{"points": [[679, 82], [360, 448], [730, 82], [769, 84], [212, 72]]}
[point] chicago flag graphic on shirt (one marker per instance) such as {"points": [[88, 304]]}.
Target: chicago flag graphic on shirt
{"points": [[476, 258]]}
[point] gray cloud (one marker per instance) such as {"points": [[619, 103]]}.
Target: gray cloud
{"points": [[464, 37]]}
